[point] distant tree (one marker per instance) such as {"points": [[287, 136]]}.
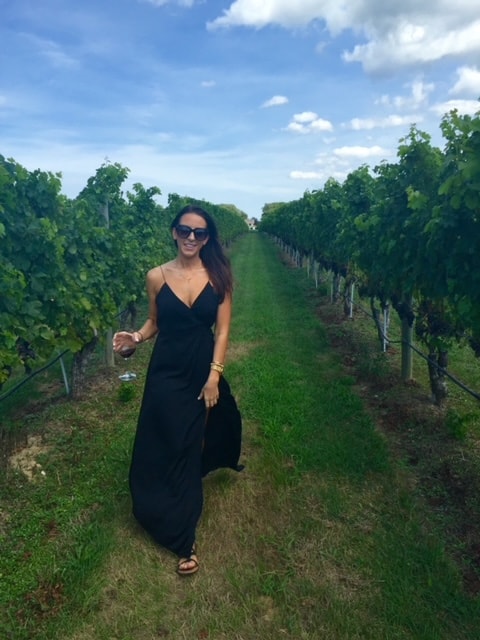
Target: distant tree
{"points": [[271, 207], [232, 207]]}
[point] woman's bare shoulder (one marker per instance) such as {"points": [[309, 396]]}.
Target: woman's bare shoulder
{"points": [[158, 272], [156, 276]]}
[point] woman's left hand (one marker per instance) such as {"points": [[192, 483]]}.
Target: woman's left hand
{"points": [[209, 394]]}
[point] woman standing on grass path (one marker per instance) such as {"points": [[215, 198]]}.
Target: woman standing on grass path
{"points": [[189, 423]]}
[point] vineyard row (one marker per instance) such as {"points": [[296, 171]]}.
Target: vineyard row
{"points": [[407, 234], [67, 266]]}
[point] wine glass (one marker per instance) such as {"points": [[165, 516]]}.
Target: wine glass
{"points": [[125, 352]]}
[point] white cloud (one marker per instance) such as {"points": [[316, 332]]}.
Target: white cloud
{"points": [[419, 94], [468, 82], [329, 169], [321, 125], [258, 13], [361, 152], [338, 163], [296, 127], [308, 122], [275, 102], [57, 55], [396, 34], [208, 84], [306, 116], [409, 44], [465, 107], [361, 124], [161, 3], [306, 175]]}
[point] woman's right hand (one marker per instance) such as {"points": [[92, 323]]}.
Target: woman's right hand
{"points": [[123, 340]]}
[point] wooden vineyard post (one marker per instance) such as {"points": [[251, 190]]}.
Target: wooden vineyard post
{"points": [[407, 352]]}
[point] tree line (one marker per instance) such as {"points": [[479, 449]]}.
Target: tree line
{"points": [[407, 233], [69, 267]]}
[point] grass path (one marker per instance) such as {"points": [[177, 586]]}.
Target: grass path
{"points": [[320, 538]]}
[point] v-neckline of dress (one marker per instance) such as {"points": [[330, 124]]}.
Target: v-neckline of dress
{"points": [[183, 301]]}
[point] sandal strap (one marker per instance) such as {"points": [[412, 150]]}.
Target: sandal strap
{"points": [[191, 559]]}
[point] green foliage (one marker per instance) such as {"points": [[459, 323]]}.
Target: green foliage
{"points": [[126, 392], [458, 423], [68, 267], [30, 258], [405, 231]]}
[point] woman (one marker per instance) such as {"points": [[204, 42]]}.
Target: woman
{"points": [[189, 423]]}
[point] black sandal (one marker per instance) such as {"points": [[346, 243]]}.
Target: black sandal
{"points": [[193, 560]]}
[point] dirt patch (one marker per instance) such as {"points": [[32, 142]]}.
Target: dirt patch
{"points": [[444, 471], [26, 460], [237, 351]]}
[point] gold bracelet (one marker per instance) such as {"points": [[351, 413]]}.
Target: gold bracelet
{"points": [[217, 366]]}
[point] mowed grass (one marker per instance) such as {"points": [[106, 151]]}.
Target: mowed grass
{"points": [[320, 537]]}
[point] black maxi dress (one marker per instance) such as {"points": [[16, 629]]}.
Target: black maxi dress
{"points": [[176, 443]]}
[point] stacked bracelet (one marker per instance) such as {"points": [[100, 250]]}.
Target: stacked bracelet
{"points": [[217, 366]]}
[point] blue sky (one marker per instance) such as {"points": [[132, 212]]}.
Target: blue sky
{"points": [[244, 102]]}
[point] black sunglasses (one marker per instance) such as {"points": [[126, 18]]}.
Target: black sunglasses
{"points": [[183, 231]]}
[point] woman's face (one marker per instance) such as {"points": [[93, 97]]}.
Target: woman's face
{"points": [[189, 244]]}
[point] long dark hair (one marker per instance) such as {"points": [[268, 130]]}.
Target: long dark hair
{"points": [[215, 261]]}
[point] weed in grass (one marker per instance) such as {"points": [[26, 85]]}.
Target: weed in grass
{"points": [[126, 392], [458, 424], [373, 365]]}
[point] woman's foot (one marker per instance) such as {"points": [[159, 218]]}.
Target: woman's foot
{"points": [[188, 566]]}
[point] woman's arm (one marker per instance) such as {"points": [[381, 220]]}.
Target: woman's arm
{"points": [[154, 282], [222, 330], [210, 392]]}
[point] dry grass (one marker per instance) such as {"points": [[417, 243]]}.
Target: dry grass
{"points": [[253, 541], [272, 558]]}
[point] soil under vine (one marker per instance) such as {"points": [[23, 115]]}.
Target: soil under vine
{"points": [[444, 470]]}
